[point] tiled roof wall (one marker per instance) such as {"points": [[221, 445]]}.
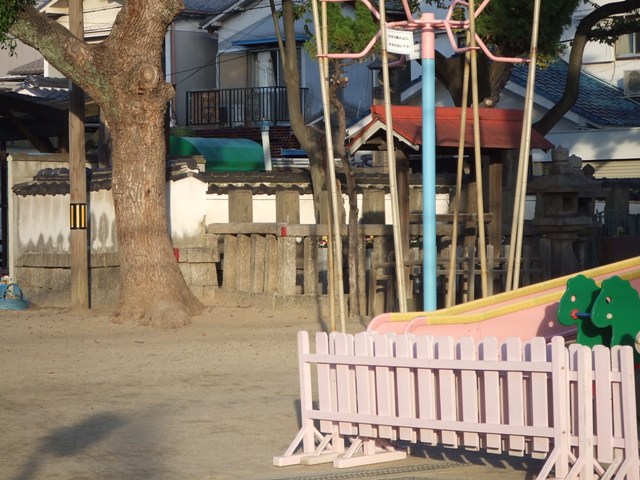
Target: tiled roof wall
{"points": [[597, 101]]}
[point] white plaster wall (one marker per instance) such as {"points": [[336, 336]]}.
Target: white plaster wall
{"points": [[102, 223], [43, 221], [217, 209], [186, 206], [605, 144], [442, 206], [264, 208], [43, 224], [307, 210]]}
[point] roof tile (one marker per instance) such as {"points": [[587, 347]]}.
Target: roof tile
{"points": [[598, 102], [207, 7]]}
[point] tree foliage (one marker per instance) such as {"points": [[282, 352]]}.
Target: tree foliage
{"points": [[8, 13], [610, 29], [350, 29], [506, 26]]}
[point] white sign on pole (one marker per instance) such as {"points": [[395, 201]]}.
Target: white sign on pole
{"points": [[400, 41]]}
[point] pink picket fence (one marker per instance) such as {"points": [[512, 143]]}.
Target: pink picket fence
{"points": [[573, 406]]}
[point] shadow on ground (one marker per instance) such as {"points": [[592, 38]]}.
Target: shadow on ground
{"points": [[70, 441]]}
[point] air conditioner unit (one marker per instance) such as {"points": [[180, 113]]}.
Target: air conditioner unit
{"points": [[632, 83]]}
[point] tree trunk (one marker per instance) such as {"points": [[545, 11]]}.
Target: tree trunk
{"points": [[123, 75], [310, 139], [352, 228], [449, 71], [572, 83], [153, 289]]}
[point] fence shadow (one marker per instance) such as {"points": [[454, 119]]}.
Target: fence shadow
{"points": [[468, 457]]}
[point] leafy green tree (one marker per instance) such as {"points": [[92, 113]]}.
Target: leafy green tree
{"points": [[8, 13], [505, 27], [123, 74]]}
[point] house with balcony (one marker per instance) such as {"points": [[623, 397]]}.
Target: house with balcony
{"points": [[190, 53], [249, 88]]}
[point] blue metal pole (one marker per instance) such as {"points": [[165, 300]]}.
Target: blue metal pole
{"points": [[428, 166]]}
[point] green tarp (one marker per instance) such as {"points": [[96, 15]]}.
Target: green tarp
{"points": [[220, 154]]}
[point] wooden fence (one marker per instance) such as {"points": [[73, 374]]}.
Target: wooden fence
{"points": [[290, 259], [571, 405]]}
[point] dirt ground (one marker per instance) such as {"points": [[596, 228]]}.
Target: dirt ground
{"points": [[83, 398]]}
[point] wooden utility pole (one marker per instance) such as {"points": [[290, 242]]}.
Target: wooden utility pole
{"points": [[78, 179]]}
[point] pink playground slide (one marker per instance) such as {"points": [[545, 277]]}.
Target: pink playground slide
{"points": [[526, 312]]}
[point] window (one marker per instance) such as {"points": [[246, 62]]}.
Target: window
{"points": [[628, 46], [266, 68]]}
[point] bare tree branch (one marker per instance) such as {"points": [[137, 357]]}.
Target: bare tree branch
{"points": [[572, 84]]}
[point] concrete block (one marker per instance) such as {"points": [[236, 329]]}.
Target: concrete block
{"points": [[203, 274], [185, 268], [208, 295], [48, 260], [210, 241], [105, 260], [200, 255]]}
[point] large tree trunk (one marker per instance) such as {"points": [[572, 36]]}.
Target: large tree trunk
{"points": [[123, 75], [153, 289], [491, 78]]}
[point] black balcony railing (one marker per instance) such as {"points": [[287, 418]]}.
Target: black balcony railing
{"points": [[231, 107]]}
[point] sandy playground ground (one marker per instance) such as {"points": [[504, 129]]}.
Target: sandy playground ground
{"points": [[83, 398]]}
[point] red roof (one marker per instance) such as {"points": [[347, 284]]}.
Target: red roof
{"points": [[499, 128]]}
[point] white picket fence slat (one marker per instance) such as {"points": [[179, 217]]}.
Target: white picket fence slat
{"points": [[573, 405]]}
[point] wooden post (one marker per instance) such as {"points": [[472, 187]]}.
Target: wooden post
{"points": [[258, 244], [240, 206], [495, 204], [287, 206], [373, 207], [402, 172], [310, 266], [243, 264], [4, 207], [78, 180]]}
